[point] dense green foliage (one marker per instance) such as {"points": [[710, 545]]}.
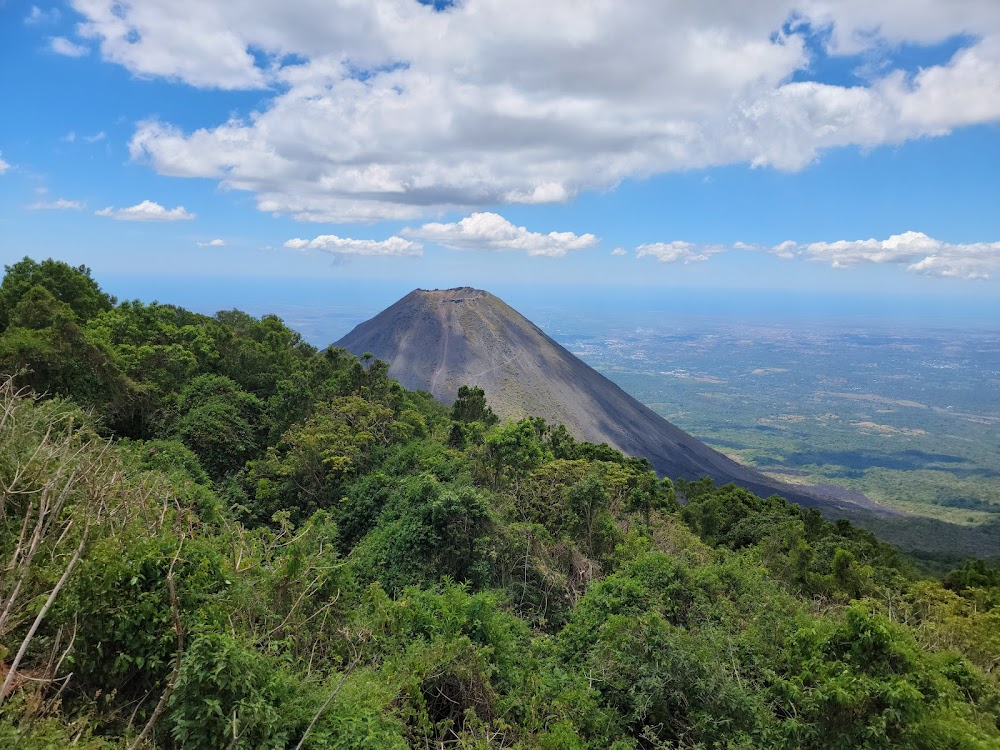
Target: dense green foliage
{"points": [[213, 535]]}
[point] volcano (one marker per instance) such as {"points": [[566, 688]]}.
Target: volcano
{"points": [[439, 340]]}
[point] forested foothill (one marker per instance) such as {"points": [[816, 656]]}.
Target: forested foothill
{"points": [[214, 535]]}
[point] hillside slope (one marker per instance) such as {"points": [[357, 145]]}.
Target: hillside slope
{"points": [[442, 339]]}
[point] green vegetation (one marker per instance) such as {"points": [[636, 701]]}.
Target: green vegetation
{"points": [[906, 415], [213, 535]]}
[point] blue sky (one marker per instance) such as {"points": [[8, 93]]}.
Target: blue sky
{"points": [[808, 146]]}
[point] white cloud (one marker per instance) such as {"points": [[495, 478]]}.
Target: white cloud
{"points": [[331, 243], [146, 211], [915, 250], [787, 249], [209, 49], [63, 46], [70, 137], [212, 243], [38, 16], [4, 166], [489, 231], [374, 117], [59, 204], [784, 249], [856, 25], [678, 251], [619, 251]]}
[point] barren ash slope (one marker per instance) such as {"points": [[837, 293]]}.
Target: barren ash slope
{"points": [[442, 339]]}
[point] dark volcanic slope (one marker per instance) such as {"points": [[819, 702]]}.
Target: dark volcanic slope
{"points": [[440, 340]]}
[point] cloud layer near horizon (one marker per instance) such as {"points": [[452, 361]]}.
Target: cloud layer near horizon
{"points": [[918, 252], [392, 110], [678, 251], [481, 231], [490, 232], [914, 250]]}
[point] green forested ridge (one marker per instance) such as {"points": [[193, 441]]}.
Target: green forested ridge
{"points": [[213, 535]]}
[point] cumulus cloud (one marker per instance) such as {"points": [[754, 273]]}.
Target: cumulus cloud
{"points": [[489, 231], [855, 25], [619, 251], [678, 251], [212, 243], [372, 117], [914, 250], [63, 46], [59, 204], [146, 211], [4, 166], [331, 243]]}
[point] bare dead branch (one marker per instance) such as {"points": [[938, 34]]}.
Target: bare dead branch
{"points": [[45, 608]]}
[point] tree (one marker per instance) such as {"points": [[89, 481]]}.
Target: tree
{"points": [[257, 354], [72, 286], [649, 494], [512, 451], [471, 406], [220, 422], [305, 470], [45, 348]]}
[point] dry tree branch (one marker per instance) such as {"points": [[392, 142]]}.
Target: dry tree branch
{"points": [[38, 619]]}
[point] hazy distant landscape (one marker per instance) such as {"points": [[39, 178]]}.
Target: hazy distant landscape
{"points": [[903, 409], [907, 415]]}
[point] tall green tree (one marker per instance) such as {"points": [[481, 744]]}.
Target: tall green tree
{"points": [[220, 422], [45, 348], [73, 286]]}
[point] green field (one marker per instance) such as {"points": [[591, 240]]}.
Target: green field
{"points": [[908, 417]]}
